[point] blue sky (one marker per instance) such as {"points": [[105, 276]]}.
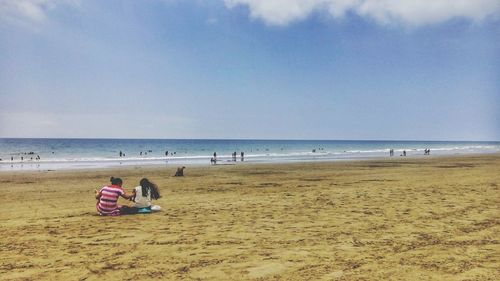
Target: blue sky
{"points": [[310, 69]]}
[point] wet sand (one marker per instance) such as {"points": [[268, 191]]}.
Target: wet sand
{"points": [[394, 219]]}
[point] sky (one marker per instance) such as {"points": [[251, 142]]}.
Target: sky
{"points": [[250, 69]]}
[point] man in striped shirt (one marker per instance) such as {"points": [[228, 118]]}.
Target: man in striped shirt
{"points": [[108, 198]]}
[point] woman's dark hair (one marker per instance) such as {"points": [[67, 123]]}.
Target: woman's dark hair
{"points": [[115, 181], [147, 186]]}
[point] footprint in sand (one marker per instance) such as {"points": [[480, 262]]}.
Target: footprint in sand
{"points": [[333, 275], [266, 269]]}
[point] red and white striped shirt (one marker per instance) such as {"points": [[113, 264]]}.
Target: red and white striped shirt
{"points": [[107, 205]]}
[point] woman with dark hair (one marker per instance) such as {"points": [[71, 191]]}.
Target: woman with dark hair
{"points": [[143, 194], [107, 198]]}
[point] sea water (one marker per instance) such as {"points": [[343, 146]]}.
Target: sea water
{"points": [[47, 154]]}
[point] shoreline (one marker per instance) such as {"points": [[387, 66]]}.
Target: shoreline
{"points": [[236, 163], [39, 168], [57, 154]]}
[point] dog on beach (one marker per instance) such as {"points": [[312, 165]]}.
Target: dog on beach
{"points": [[180, 172]]}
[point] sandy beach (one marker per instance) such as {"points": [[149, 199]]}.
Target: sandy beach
{"points": [[392, 219]]}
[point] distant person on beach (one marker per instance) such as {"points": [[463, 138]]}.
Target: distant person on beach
{"points": [[142, 196], [180, 172], [166, 153], [121, 153], [404, 152], [107, 198], [242, 155]]}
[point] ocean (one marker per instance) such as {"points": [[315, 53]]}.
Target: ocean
{"points": [[51, 154]]}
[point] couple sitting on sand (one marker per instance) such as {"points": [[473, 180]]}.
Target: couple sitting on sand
{"points": [[107, 198]]}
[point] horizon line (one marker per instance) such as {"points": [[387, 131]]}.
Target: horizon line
{"points": [[246, 139]]}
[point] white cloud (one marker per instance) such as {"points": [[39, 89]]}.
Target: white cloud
{"points": [[34, 11], [408, 12], [278, 12]]}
